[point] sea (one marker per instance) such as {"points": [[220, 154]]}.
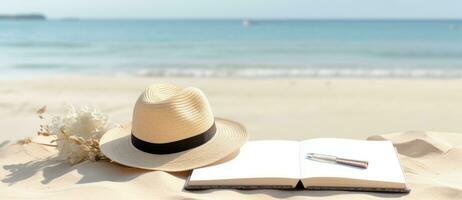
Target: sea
{"points": [[233, 48]]}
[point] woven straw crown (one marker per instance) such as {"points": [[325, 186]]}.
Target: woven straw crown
{"points": [[167, 113]]}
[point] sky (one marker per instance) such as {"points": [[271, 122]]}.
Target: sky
{"points": [[258, 9]]}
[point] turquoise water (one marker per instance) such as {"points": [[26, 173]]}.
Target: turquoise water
{"points": [[231, 48]]}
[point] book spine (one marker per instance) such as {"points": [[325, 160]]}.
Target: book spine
{"points": [[239, 187], [365, 189]]}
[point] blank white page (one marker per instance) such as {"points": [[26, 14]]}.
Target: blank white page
{"points": [[256, 159], [383, 161]]}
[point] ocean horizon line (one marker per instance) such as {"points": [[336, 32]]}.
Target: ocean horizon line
{"points": [[48, 18], [271, 19]]}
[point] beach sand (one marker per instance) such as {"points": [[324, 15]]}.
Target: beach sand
{"points": [[270, 109]]}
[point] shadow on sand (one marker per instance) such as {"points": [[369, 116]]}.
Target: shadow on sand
{"points": [[4, 143], [53, 168]]}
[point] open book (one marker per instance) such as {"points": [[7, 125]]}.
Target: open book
{"points": [[282, 164]]}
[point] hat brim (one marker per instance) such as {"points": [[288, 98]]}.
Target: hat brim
{"points": [[229, 137]]}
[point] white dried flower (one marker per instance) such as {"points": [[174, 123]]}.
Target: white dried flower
{"points": [[78, 133]]}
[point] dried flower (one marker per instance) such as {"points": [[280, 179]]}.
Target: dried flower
{"points": [[77, 133], [24, 141], [41, 111]]}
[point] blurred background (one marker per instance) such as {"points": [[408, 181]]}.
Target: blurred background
{"points": [[236, 38], [348, 68]]}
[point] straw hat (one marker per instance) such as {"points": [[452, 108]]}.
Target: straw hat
{"points": [[173, 129]]}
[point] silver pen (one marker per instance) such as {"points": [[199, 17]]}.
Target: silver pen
{"points": [[334, 159]]}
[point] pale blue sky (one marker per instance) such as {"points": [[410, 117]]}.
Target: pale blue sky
{"points": [[438, 9]]}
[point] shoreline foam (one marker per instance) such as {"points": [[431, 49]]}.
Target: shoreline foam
{"points": [[249, 73], [302, 73]]}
